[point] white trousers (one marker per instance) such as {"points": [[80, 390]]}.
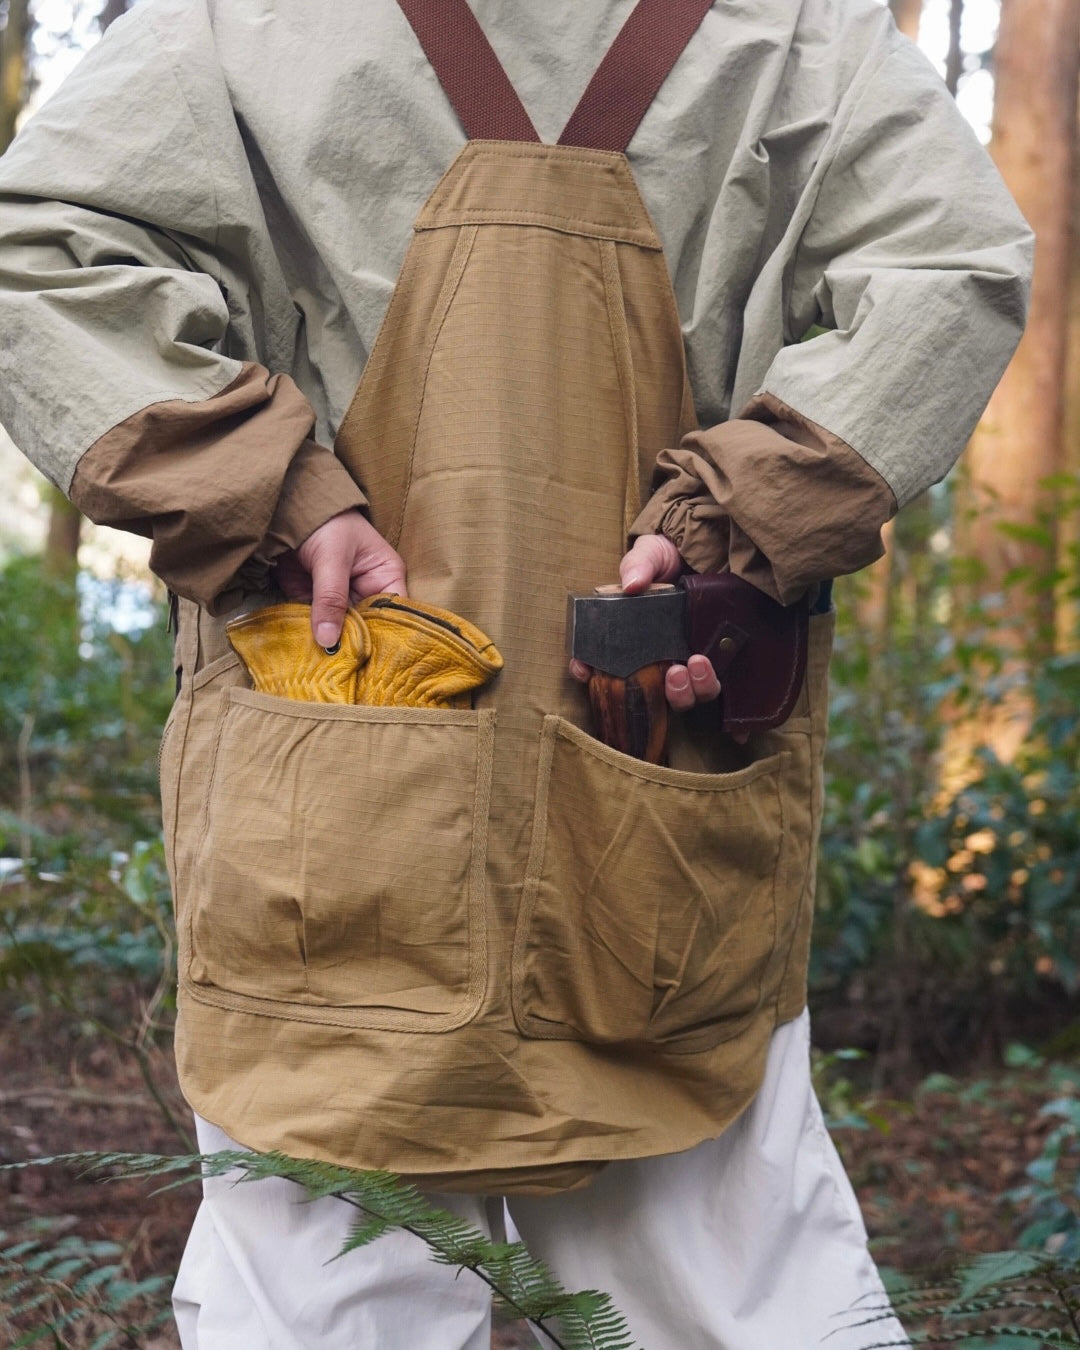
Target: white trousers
{"points": [[752, 1241]]}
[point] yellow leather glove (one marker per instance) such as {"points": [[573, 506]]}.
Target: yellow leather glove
{"points": [[422, 656], [393, 652], [283, 658]]}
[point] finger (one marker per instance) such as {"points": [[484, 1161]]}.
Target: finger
{"points": [[329, 595], [378, 574], [580, 671], [652, 558], [703, 679], [678, 689]]}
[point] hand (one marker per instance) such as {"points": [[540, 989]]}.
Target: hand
{"points": [[655, 558], [341, 562]]}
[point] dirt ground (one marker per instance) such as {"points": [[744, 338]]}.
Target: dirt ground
{"points": [[929, 1174]]}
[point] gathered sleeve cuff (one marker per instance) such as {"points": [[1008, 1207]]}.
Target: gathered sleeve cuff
{"points": [[216, 483], [770, 496]]}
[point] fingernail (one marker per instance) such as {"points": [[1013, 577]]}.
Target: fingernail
{"points": [[327, 635], [633, 578], [680, 683]]}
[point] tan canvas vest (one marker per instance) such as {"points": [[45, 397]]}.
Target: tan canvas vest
{"points": [[478, 947]]}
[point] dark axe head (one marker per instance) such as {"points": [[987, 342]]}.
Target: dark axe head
{"points": [[620, 634]]}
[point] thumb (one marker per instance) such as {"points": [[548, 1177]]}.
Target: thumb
{"points": [[330, 567], [653, 557]]}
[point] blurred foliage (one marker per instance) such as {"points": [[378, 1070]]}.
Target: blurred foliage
{"points": [[844, 1103], [1049, 1200], [1006, 1300], [949, 877], [83, 888], [1051, 1197], [81, 708], [64, 1290]]}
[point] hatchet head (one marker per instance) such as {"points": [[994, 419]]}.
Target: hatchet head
{"points": [[620, 634]]}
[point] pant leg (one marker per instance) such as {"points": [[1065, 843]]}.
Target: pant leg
{"points": [[752, 1241], [257, 1274]]}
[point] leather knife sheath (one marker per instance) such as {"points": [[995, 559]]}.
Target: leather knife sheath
{"points": [[758, 647]]}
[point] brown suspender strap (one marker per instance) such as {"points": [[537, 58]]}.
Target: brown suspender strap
{"points": [[470, 73], [636, 65]]}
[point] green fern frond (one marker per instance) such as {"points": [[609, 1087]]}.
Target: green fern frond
{"points": [[521, 1285], [363, 1232], [999, 1301], [48, 1284]]}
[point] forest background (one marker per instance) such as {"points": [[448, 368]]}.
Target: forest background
{"points": [[946, 966]]}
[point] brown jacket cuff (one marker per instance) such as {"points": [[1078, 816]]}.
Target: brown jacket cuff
{"points": [[218, 484], [316, 487], [771, 496]]}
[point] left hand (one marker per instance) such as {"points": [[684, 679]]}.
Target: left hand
{"points": [[655, 558], [342, 562]]}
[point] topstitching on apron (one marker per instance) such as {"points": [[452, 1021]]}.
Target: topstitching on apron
{"points": [[478, 947]]}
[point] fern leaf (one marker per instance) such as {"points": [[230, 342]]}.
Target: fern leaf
{"points": [[33, 1337], [19, 1250], [364, 1232], [37, 1300], [995, 1268], [93, 1278], [63, 1270], [585, 1321]]}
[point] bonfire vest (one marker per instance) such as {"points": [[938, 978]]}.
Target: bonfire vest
{"points": [[478, 947]]}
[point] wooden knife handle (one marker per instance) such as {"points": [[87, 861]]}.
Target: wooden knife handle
{"points": [[631, 715]]}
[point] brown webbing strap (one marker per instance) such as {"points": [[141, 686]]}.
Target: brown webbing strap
{"points": [[470, 73], [628, 78]]}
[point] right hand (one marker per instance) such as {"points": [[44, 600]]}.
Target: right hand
{"points": [[655, 558], [343, 561]]}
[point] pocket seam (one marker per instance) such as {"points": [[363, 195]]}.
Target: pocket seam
{"points": [[684, 780], [350, 712], [369, 1018], [204, 817], [527, 1024], [213, 670]]}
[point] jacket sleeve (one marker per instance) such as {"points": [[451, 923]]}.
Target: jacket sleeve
{"points": [[141, 314], [908, 251], [781, 502]]}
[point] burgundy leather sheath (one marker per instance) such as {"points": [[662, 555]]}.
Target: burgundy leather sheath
{"points": [[757, 647]]}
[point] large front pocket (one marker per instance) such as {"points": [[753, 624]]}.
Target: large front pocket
{"points": [[341, 875], [650, 906]]}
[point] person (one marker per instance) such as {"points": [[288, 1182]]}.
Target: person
{"points": [[754, 296]]}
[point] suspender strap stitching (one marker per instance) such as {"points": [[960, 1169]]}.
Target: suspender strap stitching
{"points": [[630, 75], [470, 73]]}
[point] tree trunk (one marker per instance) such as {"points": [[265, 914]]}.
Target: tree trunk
{"points": [[1067, 613], [907, 14], [62, 539], [954, 61], [14, 45], [1020, 440]]}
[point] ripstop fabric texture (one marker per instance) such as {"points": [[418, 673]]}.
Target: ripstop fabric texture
{"points": [[503, 953]]}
